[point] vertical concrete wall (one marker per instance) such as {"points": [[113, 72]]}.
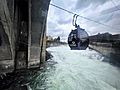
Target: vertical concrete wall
{"points": [[5, 52], [43, 48], [22, 19], [39, 10], [7, 31], [11, 17]]}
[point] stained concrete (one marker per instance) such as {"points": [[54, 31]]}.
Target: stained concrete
{"points": [[23, 34], [39, 9]]}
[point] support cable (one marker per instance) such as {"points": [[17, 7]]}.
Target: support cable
{"points": [[84, 17], [115, 5]]}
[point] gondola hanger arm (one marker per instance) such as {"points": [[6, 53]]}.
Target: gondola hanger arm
{"points": [[75, 20]]}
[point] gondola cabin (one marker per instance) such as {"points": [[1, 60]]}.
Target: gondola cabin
{"points": [[78, 39]]}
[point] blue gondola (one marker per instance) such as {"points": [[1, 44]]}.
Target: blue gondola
{"points": [[78, 38]]}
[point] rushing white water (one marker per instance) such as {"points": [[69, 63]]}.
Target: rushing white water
{"points": [[78, 70]]}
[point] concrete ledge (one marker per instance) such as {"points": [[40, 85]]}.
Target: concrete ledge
{"points": [[33, 63]]}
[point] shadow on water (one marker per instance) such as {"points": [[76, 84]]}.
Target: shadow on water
{"points": [[114, 59], [24, 79], [39, 82], [111, 56]]}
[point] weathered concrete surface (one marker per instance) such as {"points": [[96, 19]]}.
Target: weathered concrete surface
{"points": [[7, 32], [23, 33], [5, 52], [39, 10]]}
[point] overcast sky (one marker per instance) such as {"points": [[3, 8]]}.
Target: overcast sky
{"points": [[59, 23]]}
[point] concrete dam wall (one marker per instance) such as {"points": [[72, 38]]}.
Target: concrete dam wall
{"points": [[22, 34]]}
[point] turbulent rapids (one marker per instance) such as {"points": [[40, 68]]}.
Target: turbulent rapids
{"points": [[76, 70]]}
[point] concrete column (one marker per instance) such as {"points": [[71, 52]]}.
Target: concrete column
{"points": [[38, 11], [43, 47], [7, 51]]}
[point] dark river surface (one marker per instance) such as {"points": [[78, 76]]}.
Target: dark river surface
{"points": [[76, 70], [67, 70]]}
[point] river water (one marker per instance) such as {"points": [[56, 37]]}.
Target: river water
{"points": [[76, 70]]}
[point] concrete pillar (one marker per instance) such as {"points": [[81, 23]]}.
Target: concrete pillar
{"points": [[38, 10], [43, 47], [7, 53]]}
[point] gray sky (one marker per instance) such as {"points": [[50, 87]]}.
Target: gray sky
{"points": [[59, 23]]}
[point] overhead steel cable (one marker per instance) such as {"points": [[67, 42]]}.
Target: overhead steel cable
{"points": [[83, 17], [115, 5], [62, 8], [117, 8]]}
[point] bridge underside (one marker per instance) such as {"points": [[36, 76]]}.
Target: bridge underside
{"points": [[22, 33]]}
